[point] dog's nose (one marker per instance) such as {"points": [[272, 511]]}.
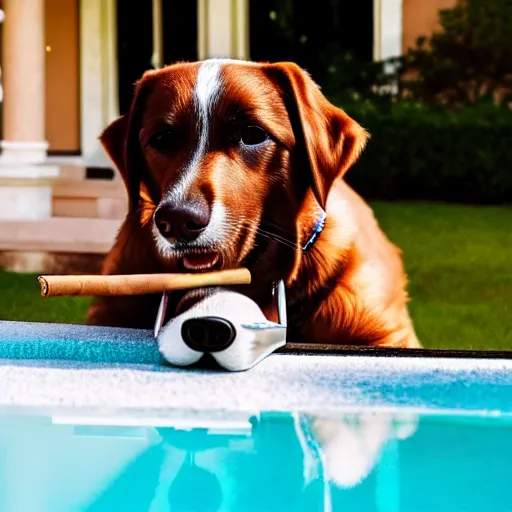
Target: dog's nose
{"points": [[183, 222], [208, 334]]}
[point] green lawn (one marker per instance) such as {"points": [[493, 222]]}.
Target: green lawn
{"points": [[458, 258], [20, 299], [459, 263]]}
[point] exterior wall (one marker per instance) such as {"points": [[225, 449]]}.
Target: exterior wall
{"points": [[420, 18], [62, 75]]}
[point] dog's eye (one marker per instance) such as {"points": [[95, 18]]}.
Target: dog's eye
{"points": [[163, 141], [252, 135]]}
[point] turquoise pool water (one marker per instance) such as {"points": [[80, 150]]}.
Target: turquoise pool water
{"points": [[270, 462]]}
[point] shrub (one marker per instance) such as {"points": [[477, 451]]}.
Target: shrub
{"points": [[421, 153], [351, 78]]}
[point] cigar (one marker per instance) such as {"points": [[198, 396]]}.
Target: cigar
{"points": [[138, 284]]}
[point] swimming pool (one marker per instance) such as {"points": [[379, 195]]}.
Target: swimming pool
{"points": [[91, 421]]}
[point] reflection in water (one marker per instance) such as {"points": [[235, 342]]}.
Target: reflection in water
{"points": [[208, 493], [276, 462], [135, 487], [289, 462], [352, 444]]}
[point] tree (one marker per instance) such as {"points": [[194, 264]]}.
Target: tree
{"points": [[468, 60]]}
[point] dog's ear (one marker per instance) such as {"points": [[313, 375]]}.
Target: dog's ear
{"points": [[120, 141], [331, 140], [112, 139]]}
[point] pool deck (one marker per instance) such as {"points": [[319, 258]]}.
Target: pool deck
{"points": [[74, 366]]}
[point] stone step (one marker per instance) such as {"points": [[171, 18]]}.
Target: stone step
{"points": [[101, 208], [89, 199], [91, 189], [59, 234], [72, 172], [51, 262]]}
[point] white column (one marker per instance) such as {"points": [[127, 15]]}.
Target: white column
{"points": [[98, 70], [25, 184], [387, 29], [23, 51], [223, 29], [240, 24], [202, 29], [157, 59], [219, 28]]}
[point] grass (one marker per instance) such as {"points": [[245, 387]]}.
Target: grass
{"points": [[458, 259], [20, 299]]}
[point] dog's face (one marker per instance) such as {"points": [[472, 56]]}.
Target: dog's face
{"points": [[224, 157]]}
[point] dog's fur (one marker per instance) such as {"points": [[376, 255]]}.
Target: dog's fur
{"points": [[348, 288]]}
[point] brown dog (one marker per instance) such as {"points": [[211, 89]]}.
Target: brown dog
{"points": [[232, 163]]}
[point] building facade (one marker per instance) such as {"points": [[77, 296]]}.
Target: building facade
{"points": [[68, 68]]}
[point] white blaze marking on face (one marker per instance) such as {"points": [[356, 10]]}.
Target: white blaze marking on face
{"points": [[206, 94]]}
